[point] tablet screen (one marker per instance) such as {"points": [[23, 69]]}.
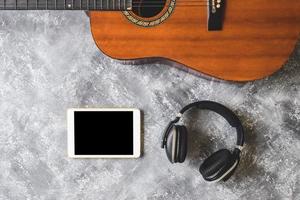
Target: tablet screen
{"points": [[103, 133]]}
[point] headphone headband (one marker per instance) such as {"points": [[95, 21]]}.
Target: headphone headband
{"points": [[230, 117]]}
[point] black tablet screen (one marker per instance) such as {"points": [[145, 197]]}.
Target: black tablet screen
{"points": [[103, 132]]}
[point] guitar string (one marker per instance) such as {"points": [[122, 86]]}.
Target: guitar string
{"points": [[156, 1], [7, 2], [135, 4], [25, 6], [42, 7], [178, 3], [164, 2]]}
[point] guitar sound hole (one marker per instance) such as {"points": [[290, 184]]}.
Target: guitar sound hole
{"points": [[147, 8]]}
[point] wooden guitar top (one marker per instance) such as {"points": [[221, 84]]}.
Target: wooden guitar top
{"points": [[256, 39]]}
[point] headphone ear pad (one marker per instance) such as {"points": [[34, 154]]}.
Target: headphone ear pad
{"points": [[171, 144], [182, 146], [214, 164]]}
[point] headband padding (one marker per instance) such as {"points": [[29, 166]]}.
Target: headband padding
{"points": [[231, 118], [182, 143], [215, 163]]}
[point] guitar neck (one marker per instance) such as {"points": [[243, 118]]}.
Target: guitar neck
{"points": [[117, 5]]}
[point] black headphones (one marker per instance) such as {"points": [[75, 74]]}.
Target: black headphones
{"points": [[221, 164]]}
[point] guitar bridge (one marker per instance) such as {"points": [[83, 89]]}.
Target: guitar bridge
{"points": [[216, 11]]}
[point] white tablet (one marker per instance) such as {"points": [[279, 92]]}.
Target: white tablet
{"points": [[104, 133]]}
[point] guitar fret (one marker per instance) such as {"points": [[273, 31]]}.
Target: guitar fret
{"points": [[82, 5], [68, 4], [91, 4], [76, 4]]}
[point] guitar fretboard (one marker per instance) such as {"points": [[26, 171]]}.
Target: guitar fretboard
{"points": [[65, 4]]}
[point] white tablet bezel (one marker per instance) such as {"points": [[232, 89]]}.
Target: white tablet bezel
{"points": [[136, 132]]}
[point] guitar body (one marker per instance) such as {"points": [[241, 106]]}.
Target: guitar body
{"points": [[257, 37]]}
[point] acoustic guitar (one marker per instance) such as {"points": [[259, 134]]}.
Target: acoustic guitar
{"points": [[236, 40]]}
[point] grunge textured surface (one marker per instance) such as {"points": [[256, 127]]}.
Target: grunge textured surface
{"points": [[49, 62]]}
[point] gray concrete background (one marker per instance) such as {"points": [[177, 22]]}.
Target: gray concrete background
{"points": [[49, 62]]}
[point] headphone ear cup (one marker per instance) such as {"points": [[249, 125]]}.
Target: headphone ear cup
{"points": [[182, 144], [216, 165]]}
